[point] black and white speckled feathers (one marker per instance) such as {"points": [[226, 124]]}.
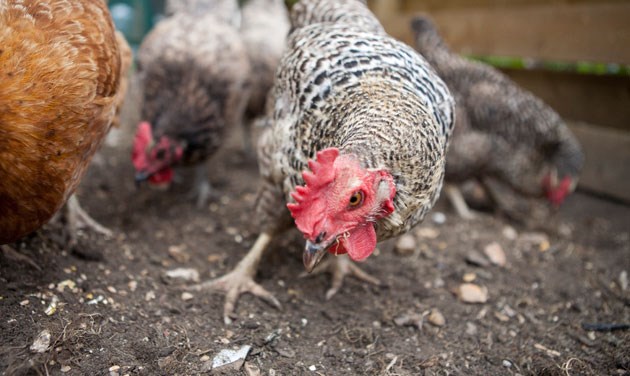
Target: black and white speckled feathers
{"points": [[502, 129], [346, 12], [367, 94]]}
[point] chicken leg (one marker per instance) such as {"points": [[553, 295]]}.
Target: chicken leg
{"points": [[241, 280], [78, 219], [340, 267], [202, 190], [459, 203]]}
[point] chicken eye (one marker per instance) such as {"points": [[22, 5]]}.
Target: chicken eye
{"points": [[356, 199], [160, 154]]}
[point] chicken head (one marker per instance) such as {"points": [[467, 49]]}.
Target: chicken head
{"points": [[153, 160], [338, 206]]}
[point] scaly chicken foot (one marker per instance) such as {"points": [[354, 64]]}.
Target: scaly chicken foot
{"points": [[340, 267], [202, 190], [240, 280], [456, 198], [14, 255], [78, 219]]}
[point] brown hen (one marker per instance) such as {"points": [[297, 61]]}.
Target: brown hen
{"points": [[60, 89]]}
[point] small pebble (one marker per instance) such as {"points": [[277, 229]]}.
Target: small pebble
{"points": [[187, 296], [509, 233], [471, 329], [186, 274], [178, 253], [495, 254], [507, 364], [473, 257], [471, 293], [24, 302], [469, 277], [405, 245], [312, 368], [428, 232], [436, 318], [204, 358], [133, 285], [438, 218], [150, 295], [501, 317], [65, 369], [114, 368]]}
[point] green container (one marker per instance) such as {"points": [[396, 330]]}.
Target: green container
{"points": [[134, 18]]}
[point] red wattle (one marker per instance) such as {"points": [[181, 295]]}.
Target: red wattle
{"points": [[359, 244]]}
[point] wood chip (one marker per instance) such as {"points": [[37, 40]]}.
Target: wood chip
{"points": [[495, 254], [552, 353], [471, 293]]}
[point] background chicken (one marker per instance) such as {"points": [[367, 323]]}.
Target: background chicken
{"points": [[371, 120], [60, 89], [264, 28], [504, 134], [193, 69]]}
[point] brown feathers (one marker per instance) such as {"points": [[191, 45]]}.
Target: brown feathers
{"points": [[60, 66]]}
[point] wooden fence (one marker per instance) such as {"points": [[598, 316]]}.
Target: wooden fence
{"points": [[548, 30]]}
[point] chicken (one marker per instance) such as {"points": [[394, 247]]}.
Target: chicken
{"points": [[264, 28], [370, 119], [194, 70], [226, 10], [60, 89], [504, 134]]}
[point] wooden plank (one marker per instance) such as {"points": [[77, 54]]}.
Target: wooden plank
{"points": [[602, 100], [422, 5], [598, 32], [607, 166]]}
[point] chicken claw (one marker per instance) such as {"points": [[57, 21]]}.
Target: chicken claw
{"points": [[77, 219], [340, 267], [240, 280]]}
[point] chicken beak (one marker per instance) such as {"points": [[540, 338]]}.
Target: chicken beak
{"points": [[141, 177], [313, 254]]}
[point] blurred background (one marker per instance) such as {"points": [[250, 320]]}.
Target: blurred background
{"points": [[574, 54]]}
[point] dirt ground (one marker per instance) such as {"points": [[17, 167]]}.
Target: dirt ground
{"points": [[116, 312]]}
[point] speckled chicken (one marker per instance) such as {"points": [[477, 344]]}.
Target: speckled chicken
{"points": [[358, 130], [62, 72], [264, 28], [503, 132], [194, 70]]}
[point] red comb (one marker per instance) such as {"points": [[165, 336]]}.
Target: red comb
{"points": [[141, 140], [321, 174]]}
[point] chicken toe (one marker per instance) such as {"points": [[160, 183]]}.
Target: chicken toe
{"points": [[240, 280], [340, 267], [16, 256]]}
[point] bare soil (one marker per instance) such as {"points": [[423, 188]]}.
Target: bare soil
{"points": [[117, 312]]}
